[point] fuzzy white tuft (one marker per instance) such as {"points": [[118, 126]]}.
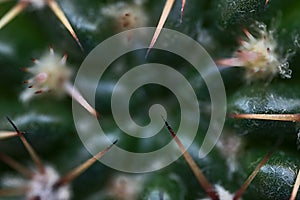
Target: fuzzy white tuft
{"points": [[230, 145], [41, 185], [126, 16], [124, 187], [50, 74], [36, 3], [258, 55], [222, 192]]}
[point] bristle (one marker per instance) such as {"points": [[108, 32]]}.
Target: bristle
{"points": [[196, 170], [15, 165], [75, 94], [267, 1], [61, 16], [35, 61], [296, 187], [248, 34], [244, 43], [64, 59], [81, 168], [24, 69], [230, 62], [13, 192], [38, 91], [245, 185], [29, 148], [12, 13], [167, 8], [275, 117], [7, 134], [182, 10], [51, 49]]}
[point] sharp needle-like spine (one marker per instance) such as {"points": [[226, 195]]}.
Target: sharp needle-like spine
{"points": [[196, 170], [168, 6], [275, 117], [53, 5], [80, 169], [15, 165], [62, 17], [75, 94], [29, 148], [245, 185], [10, 15], [182, 9], [296, 187], [7, 134]]}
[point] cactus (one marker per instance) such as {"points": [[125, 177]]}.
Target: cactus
{"points": [[255, 45]]}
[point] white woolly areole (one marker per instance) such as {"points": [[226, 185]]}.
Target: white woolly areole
{"points": [[50, 74], [41, 185], [127, 16], [223, 193], [258, 55], [125, 187], [36, 3], [230, 145]]}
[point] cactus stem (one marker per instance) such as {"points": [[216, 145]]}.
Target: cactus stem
{"points": [[296, 187], [276, 117], [196, 170], [10, 15], [7, 134], [75, 94], [62, 17], [15, 165], [13, 191], [245, 185], [81, 168], [29, 148], [168, 6]]}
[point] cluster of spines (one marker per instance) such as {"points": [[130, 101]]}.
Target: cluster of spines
{"points": [[42, 171], [51, 74], [52, 4], [214, 192], [204, 182]]}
